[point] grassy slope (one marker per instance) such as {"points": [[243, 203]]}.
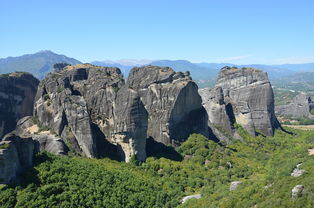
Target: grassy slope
{"points": [[264, 164]]}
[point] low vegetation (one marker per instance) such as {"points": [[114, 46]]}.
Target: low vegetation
{"points": [[263, 164]]}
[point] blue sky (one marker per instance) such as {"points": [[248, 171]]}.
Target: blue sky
{"points": [[237, 31]]}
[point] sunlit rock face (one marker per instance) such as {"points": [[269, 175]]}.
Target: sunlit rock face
{"points": [[243, 96], [17, 93], [172, 102]]}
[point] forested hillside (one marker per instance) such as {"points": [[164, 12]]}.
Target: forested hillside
{"points": [[263, 165]]}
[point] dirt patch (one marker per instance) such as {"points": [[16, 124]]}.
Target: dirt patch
{"points": [[33, 129], [311, 151]]}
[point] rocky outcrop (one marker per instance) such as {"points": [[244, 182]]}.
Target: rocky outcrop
{"points": [[195, 196], [45, 140], [234, 185], [16, 155], [80, 99], [243, 96], [172, 102], [297, 191], [17, 92], [297, 171], [90, 107], [300, 106]]}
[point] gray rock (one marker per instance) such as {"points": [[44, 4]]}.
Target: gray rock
{"points": [[297, 171], [17, 92], [45, 141], [300, 107], [131, 121], [242, 96], [297, 191], [172, 102], [80, 98], [195, 196], [88, 106], [16, 155], [234, 185]]}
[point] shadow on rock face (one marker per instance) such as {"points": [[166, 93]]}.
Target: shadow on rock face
{"points": [[159, 150], [104, 148]]}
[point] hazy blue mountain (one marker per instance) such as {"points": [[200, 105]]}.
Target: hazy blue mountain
{"points": [[39, 64]]}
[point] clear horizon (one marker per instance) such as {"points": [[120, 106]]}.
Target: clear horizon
{"points": [[238, 32]]}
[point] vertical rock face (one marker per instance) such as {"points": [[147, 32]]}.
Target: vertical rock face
{"points": [[242, 96], [17, 92], [131, 121], [79, 98], [300, 107], [172, 102], [90, 107], [16, 155]]}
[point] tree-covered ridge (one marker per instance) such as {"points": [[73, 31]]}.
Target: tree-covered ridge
{"points": [[263, 164]]}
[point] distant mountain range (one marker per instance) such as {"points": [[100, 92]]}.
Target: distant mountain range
{"points": [[205, 74], [39, 64]]}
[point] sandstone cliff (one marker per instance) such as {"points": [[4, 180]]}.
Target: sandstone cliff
{"points": [[17, 92], [243, 96]]}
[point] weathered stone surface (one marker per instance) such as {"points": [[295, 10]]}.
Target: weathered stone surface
{"points": [[45, 140], [16, 155], [195, 196], [297, 191], [17, 92], [90, 107], [234, 185], [297, 171], [300, 107], [131, 121], [172, 102], [242, 96], [79, 97]]}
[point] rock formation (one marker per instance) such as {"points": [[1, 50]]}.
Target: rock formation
{"points": [[45, 140], [80, 99], [16, 155], [173, 104], [90, 107], [297, 191], [243, 96], [234, 185], [300, 106], [17, 92]]}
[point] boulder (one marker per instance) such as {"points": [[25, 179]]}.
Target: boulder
{"points": [[17, 93], [234, 185], [243, 96], [195, 196], [297, 191], [297, 171]]}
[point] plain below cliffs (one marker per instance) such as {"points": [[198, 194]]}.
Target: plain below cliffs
{"points": [[241, 96], [17, 92], [97, 114]]}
